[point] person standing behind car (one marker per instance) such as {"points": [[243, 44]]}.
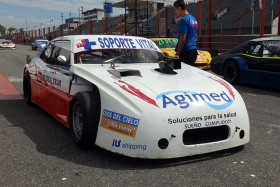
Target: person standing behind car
{"points": [[169, 32], [186, 48], [49, 37]]}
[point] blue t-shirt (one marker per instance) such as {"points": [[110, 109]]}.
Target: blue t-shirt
{"points": [[188, 25]]}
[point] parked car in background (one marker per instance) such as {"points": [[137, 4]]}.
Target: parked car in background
{"points": [[254, 62], [122, 94], [167, 46], [39, 44], [7, 44]]}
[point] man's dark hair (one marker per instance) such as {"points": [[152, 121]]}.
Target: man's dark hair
{"points": [[180, 3]]}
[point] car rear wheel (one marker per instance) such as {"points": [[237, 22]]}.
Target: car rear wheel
{"points": [[231, 72], [27, 88], [84, 118]]}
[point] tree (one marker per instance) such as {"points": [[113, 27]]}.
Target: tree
{"points": [[11, 29], [2, 29]]}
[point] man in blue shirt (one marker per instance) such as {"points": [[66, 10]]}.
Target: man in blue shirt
{"points": [[186, 48]]}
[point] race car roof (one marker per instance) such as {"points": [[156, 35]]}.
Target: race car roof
{"points": [[42, 40], [5, 41], [266, 38], [86, 42]]}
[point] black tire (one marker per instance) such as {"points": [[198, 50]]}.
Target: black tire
{"points": [[231, 72], [27, 88], [84, 118]]}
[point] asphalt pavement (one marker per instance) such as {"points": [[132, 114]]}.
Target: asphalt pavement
{"points": [[36, 150]]}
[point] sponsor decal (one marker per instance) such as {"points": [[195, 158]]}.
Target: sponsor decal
{"points": [[41, 78], [116, 42], [119, 123], [185, 99], [52, 81], [223, 83], [215, 123], [86, 44], [31, 65], [166, 41], [204, 121], [118, 144], [193, 23], [135, 91], [47, 79]]}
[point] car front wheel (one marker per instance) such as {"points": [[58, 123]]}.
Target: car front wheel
{"points": [[84, 118], [27, 88], [231, 72]]}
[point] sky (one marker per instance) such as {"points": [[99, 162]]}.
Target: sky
{"points": [[31, 13]]}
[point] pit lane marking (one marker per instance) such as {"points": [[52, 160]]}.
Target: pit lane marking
{"points": [[271, 125], [14, 79], [247, 93], [7, 90]]}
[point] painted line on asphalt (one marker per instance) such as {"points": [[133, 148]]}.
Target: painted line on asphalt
{"points": [[247, 93], [7, 90]]}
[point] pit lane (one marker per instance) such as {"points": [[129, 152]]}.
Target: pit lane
{"points": [[37, 150]]}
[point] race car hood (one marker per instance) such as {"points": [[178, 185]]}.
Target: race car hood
{"points": [[41, 45], [170, 51], [140, 110], [144, 77]]}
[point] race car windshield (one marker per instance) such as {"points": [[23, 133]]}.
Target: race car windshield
{"points": [[102, 56], [242, 48], [7, 41], [273, 48], [42, 42]]}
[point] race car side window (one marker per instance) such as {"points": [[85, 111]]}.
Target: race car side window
{"points": [[61, 48], [256, 49], [46, 54], [276, 52]]}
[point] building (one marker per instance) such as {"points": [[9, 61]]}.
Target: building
{"points": [[94, 14]]}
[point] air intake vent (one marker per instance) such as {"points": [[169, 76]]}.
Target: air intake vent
{"points": [[125, 72], [205, 135]]}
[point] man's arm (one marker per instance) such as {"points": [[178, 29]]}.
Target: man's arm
{"points": [[181, 43]]}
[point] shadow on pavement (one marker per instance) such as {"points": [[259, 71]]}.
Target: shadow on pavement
{"points": [[52, 138]]}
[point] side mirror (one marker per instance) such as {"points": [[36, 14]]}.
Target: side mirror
{"points": [[61, 59], [28, 59]]}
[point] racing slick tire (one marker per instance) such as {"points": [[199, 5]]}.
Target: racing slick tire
{"points": [[27, 88], [84, 118], [231, 72]]}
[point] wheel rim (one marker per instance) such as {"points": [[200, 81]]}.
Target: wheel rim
{"points": [[77, 120], [230, 72]]}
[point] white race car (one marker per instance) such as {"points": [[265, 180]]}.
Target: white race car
{"points": [[121, 94], [4, 44]]}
